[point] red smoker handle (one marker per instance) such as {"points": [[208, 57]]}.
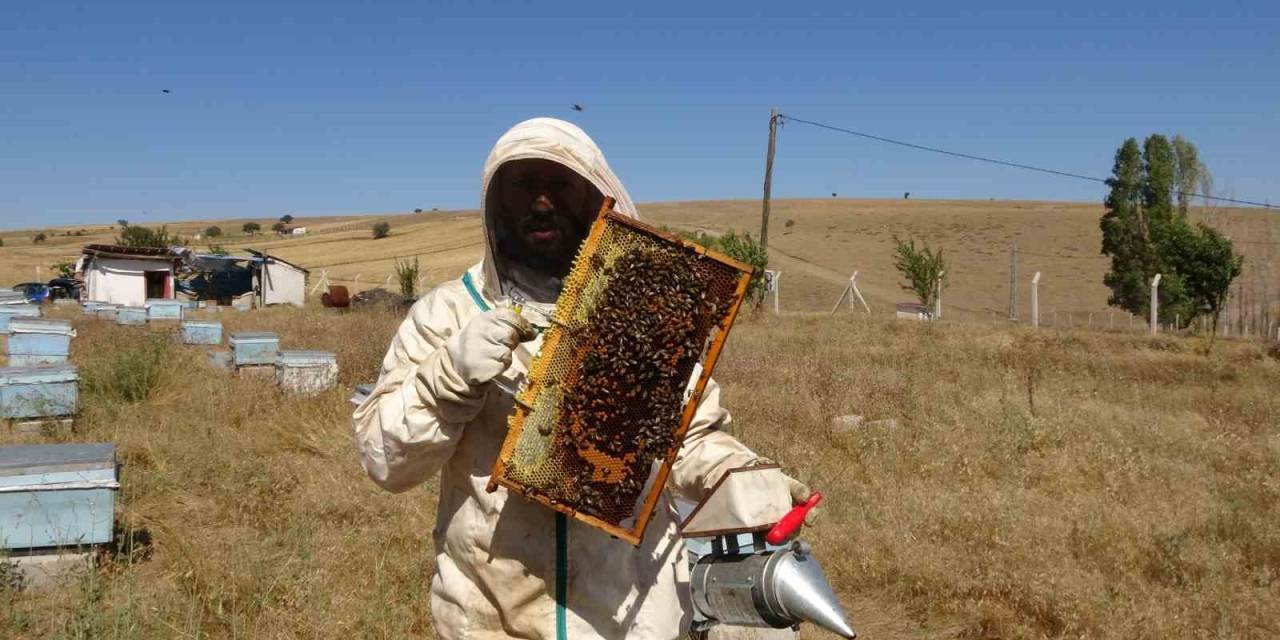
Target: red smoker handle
{"points": [[791, 522]]}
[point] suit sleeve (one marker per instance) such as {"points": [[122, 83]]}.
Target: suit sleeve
{"points": [[410, 425], [708, 451]]}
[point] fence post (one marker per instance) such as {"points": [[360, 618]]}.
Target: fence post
{"points": [[1035, 300], [937, 300], [1155, 305]]}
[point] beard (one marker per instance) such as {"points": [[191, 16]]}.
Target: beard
{"points": [[545, 242]]}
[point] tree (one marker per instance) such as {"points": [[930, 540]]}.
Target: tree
{"points": [[923, 268], [381, 230], [407, 274], [1207, 263], [1145, 232], [136, 236], [743, 248], [122, 222], [278, 227], [417, 210], [213, 232], [286, 218], [39, 238], [251, 228]]}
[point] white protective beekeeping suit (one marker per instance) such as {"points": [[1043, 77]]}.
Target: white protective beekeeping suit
{"points": [[509, 567]]}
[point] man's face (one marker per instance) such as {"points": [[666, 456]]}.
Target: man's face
{"points": [[546, 212]]}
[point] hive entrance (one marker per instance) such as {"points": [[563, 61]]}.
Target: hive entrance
{"points": [[606, 406]]}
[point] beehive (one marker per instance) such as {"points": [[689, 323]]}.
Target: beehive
{"points": [[164, 309], [202, 332], [105, 311], [39, 341], [41, 391], [131, 315], [90, 307], [254, 347], [608, 399], [10, 311], [57, 495], [306, 372]]}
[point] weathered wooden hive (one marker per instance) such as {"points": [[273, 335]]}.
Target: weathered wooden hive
{"points": [[131, 315], [42, 391], [90, 307], [10, 311], [164, 309], [253, 348], [57, 495], [306, 372], [105, 311], [39, 341], [201, 332]]}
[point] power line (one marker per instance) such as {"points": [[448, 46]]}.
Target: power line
{"points": [[1006, 163]]}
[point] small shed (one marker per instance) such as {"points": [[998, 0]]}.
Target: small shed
{"points": [[127, 275], [278, 281]]}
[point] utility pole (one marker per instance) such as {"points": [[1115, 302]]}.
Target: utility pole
{"points": [[768, 179], [1013, 282]]}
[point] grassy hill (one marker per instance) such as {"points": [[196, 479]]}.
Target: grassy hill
{"points": [[816, 243]]}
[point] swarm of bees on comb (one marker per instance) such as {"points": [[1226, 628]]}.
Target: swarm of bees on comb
{"points": [[610, 392]]}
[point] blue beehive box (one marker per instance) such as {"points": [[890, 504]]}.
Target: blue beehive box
{"points": [[10, 311], [39, 341], [90, 307], [164, 309], [254, 347], [57, 495], [131, 315], [202, 332], [42, 391], [105, 311]]}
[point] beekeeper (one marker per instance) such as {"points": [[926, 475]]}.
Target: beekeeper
{"points": [[507, 567]]}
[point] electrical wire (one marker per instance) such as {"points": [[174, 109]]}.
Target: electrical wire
{"points": [[1006, 163]]}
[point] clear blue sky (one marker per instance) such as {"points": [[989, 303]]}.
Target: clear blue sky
{"points": [[355, 107]]}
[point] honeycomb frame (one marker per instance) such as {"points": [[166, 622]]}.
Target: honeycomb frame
{"points": [[537, 436]]}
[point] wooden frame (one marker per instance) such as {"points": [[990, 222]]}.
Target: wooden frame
{"points": [[538, 371]]}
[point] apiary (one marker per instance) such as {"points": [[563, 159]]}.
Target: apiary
{"points": [[164, 309], [306, 372], [57, 495], [201, 332], [254, 347], [41, 391], [131, 315], [10, 311], [608, 401], [39, 341]]}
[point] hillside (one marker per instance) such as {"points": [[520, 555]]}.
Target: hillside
{"points": [[816, 243]]}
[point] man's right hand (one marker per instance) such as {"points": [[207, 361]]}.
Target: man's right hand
{"points": [[482, 349]]}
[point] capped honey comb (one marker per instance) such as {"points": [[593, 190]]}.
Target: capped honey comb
{"points": [[610, 396]]}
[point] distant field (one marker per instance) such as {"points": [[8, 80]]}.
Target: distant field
{"points": [[816, 244]]}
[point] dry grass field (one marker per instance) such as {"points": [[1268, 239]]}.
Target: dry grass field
{"points": [[816, 244], [1044, 484]]}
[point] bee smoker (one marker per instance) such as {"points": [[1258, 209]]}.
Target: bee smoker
{"points": [[745, 572]]}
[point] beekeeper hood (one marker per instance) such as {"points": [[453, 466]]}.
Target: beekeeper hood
{"points": [[546, 139]]}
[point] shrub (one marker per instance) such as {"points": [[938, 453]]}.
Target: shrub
{"points": [[251, 228], [39, 238], [213, 232], [135, 236], [744, 248], [407, 274], [128, 370], [381, 230], [923, 268], [278, 227]]}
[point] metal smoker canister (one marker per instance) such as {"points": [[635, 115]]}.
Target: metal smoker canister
{"points": [[775, 589]]}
